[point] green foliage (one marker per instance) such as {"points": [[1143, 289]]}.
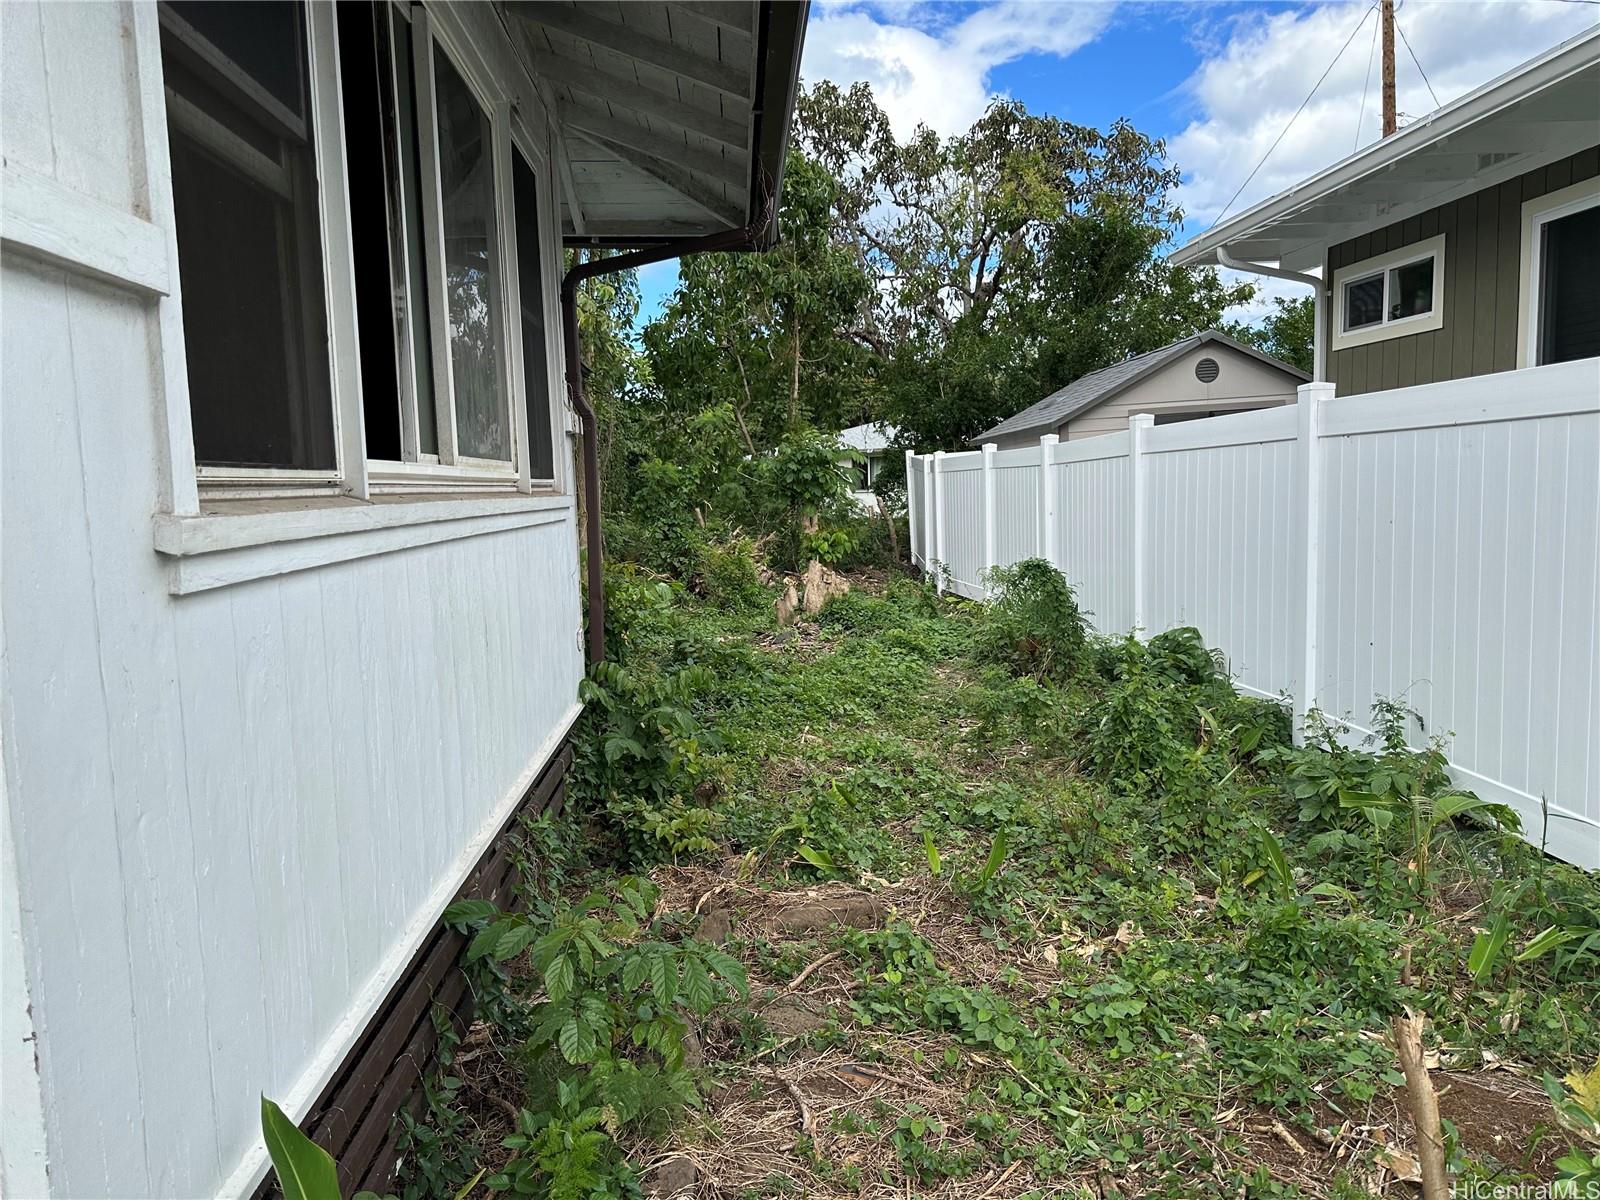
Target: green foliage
{"points": [[1287, 332], [605, 1044], [305, 1170], [1033, 624], [640, 755]]}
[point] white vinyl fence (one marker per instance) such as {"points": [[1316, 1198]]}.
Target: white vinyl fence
{"points": [[1438, 544]]}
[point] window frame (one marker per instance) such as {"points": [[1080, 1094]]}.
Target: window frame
{"points": [[230, 481], [1536, 214], [1382, 266], [521, 128]]}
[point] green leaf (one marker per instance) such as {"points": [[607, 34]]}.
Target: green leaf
{"points": [[697, 987], [932, 852], [467, 1187], [469, 912], [997, 857], [305, 1170], [663, 977], [820, 859], [1277, 864], [1486, 948], [1545, 941], [728, 968], [558, 978]]}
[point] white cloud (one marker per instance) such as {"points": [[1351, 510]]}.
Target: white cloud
{"points": [[927, 67], [1256, 73]]}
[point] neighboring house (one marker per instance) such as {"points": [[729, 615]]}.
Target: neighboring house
{"points": [[869, 447], [1466, 243], [1207, 375], [289, 602]]}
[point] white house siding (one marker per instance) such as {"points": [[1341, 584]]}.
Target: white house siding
{"points": [[234, 812]]}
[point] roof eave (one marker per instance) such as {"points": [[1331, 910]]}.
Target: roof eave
{"points": [[1552, 67]]}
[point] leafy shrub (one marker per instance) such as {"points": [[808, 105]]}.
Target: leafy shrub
{"points": [[1033, 624], [606, 1042], [640, 754], [1181, 656], [725, 574]]}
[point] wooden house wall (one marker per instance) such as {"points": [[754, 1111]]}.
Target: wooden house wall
{"points": [[1482, 265]]}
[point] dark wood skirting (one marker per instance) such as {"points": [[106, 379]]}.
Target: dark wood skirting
{"points": [[354, 1117]]}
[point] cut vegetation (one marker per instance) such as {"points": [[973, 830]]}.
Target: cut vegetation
{"points": [[928, 899]]}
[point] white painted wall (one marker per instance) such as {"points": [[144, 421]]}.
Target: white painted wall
{"points": [[1437, 544], [1243, 381], [236, 811]]}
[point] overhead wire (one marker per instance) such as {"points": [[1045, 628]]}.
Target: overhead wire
{"points": [[1320, 80], [1367, 83], [1413, 53]]}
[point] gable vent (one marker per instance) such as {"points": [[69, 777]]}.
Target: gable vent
{"points": [[1206, 370]]}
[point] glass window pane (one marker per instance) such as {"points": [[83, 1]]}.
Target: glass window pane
{"points": [[466, 184], [249, 244], [1569, 288], [530, 282], [1363, 302], [1411, 290], [363, 68], [410, 159]]}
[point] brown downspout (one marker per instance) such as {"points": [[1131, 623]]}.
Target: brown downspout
{"points": [[750, 236]]}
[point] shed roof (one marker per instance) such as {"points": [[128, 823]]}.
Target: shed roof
{"points": [[673, 117], [1535, 114], [1095, 388]]}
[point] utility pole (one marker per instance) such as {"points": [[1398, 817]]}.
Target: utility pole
{"points": [[1386, 9]]}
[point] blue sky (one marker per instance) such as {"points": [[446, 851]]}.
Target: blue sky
{"points": [[1219, 81]]}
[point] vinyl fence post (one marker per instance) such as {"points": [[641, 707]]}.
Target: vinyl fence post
{"points": [[1047, 499], [927, 511], [1138, 423], [1308, 549], [989, 449], [911, 511], [938, 520]]}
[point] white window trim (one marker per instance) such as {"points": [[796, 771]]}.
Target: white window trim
{"points": [[333, 219], [1382, 264], [1536, 214], [515, 106]]}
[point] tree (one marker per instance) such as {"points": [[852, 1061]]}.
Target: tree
{"points": [[1007, 260], [1288, 332], [765, 334]]}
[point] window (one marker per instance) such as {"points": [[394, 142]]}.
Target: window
{"points": [[530, 285], [244, 189], [1392, 295], [1560, 288], [425, 308]]}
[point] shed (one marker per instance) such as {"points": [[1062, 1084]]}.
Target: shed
{"points": [[1207, 375]]}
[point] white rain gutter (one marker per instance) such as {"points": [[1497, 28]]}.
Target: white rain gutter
{"points": [[1319, 337]]}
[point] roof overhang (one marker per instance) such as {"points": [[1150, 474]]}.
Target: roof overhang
{"points": [[1542, 111], [672, 118]]}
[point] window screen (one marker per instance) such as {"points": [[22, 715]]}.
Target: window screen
{"points": [[530, 282], [1569, 287], [249, 245]]}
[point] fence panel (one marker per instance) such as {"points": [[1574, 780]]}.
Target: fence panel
{"points": [[914, 494], [1438, 545], [1094, 528], [1218, 549]]}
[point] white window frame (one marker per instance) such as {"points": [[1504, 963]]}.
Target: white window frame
{"points": [[1380, 266], [288, 481], [433, 30], [536, 152], [1536, 214]]}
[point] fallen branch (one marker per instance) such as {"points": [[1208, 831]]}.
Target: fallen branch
{"points": [[1424, 1105], [805, 974], [808, 1123]]}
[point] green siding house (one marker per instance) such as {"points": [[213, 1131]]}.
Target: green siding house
{"points": [[1464, 244]]}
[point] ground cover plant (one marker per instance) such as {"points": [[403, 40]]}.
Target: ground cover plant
{"points": [[927, 898]]}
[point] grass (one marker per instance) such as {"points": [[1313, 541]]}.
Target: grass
{"points": [[1022, 924]]}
